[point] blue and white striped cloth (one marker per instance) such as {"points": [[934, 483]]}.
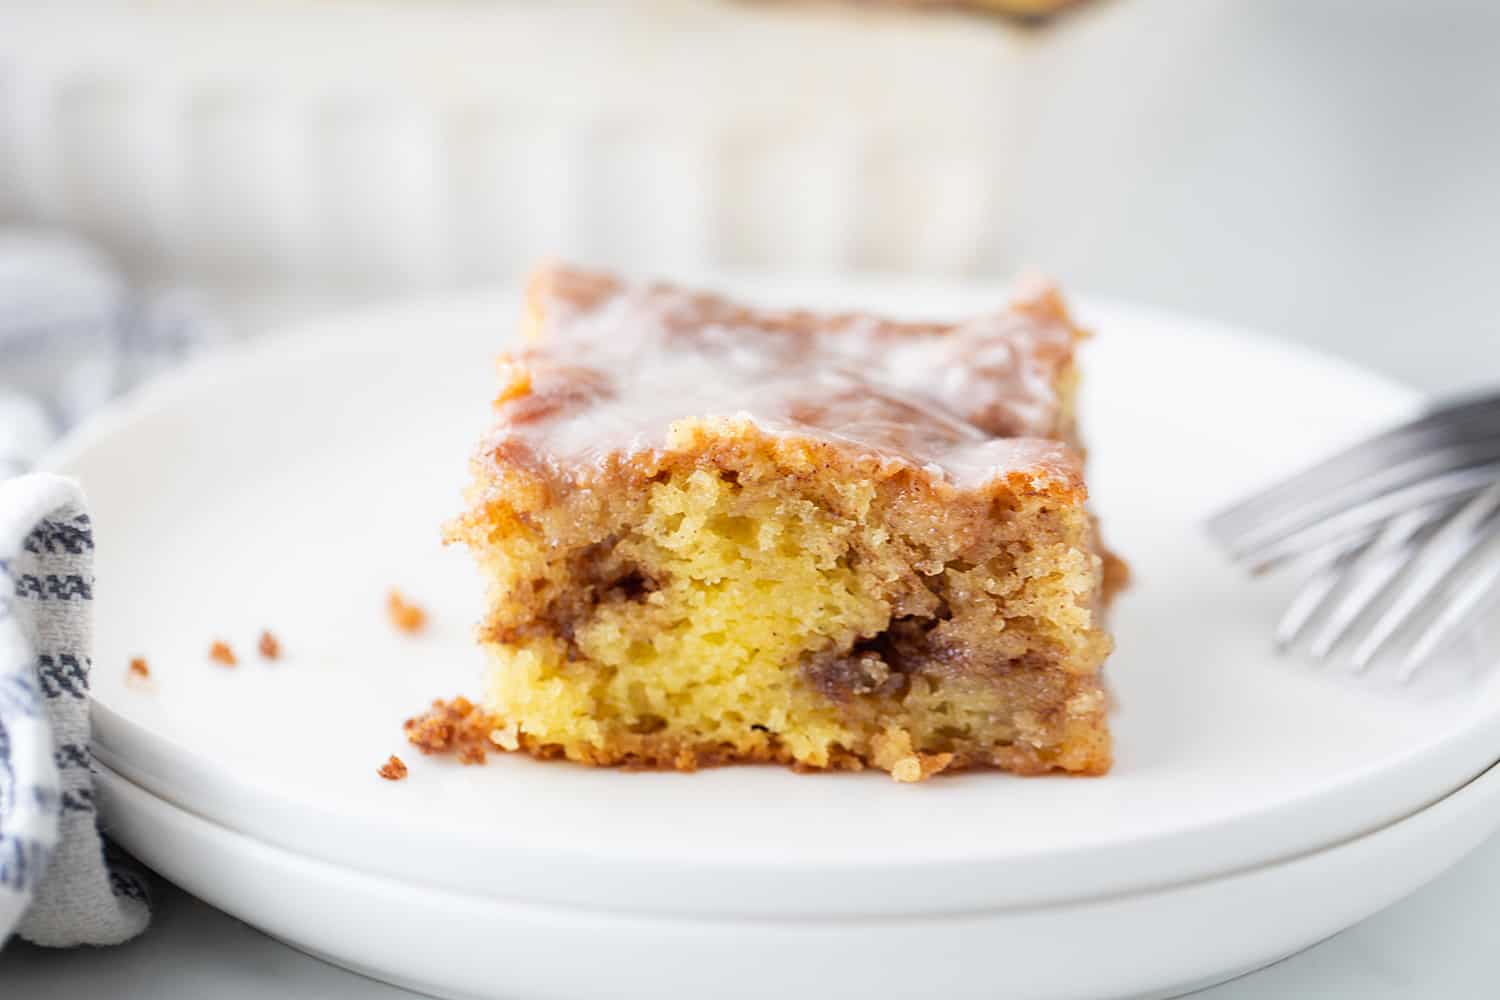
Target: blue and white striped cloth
{"points": [[56, 885], [72, 335]]}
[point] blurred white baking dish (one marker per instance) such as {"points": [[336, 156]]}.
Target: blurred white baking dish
{"points": [[382, 146]]}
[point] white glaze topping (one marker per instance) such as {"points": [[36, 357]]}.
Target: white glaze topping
{"points": [[613, 367]]}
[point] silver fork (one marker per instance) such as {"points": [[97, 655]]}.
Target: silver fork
{"points": [[1401, 534]]}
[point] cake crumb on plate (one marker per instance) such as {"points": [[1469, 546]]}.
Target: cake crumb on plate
{"points": [[269, 646], [393, 769], [404, 615], [220, 652], [457, 726]]}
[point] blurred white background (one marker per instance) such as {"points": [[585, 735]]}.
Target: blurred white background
{"points": [[1324, 171]]}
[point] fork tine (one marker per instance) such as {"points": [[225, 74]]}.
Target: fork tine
{"points": [[1462, 609], [1432, 563], [1466, 420], [1310, 598], [1431, 493], [1317, 507], [1367, 578]]}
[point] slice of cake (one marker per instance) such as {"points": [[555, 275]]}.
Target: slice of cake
{"points": [[714, 534]]}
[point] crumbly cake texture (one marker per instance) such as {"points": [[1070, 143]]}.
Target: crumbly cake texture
{"points": [[457, 727], [717, 534]]}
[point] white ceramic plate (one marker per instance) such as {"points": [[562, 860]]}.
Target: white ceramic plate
{"points": [[457, 944], [289, 486]]}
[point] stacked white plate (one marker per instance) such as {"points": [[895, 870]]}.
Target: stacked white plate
{"points": [[1257, 805]]}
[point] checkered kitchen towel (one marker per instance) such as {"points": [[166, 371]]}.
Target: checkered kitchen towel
{"points": [[72, 334]]}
